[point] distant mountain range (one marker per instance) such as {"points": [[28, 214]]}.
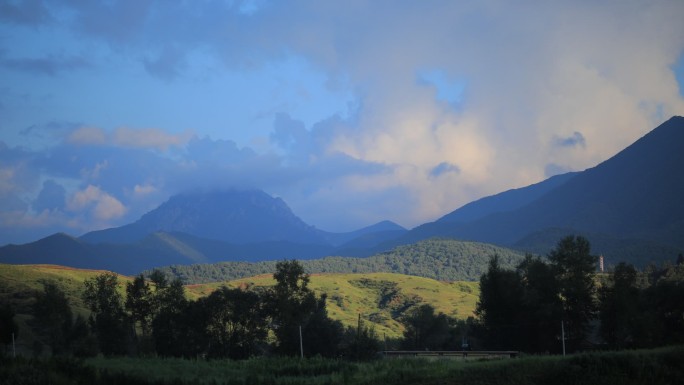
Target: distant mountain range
{"points": [[201, 228], [631, 207]]}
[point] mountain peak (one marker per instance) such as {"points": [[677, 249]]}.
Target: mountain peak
{"points": [[235, 216]]}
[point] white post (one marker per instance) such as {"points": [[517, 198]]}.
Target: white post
{"points": [[563, 337], [301, 344]]}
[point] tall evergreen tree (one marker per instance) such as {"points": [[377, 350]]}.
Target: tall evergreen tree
{"points": [[541, 310], [499, 306], [574, 268], [619, 307]]}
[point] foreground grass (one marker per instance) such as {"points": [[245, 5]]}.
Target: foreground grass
{"points": [[659, 366]]}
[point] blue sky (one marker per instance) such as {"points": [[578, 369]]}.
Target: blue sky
{"points": [[353, 112]]}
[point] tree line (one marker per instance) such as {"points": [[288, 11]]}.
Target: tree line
{"points": [[154, 317], [442, 259], [541, 306], [542, 303]]}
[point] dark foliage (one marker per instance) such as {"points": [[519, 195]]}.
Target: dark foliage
{"points": [[360, 343], [426, 330], [108, 320], [8, 326], [574, 268], [54, 322]]}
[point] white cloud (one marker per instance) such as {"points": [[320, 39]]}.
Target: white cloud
{"points": [[535, 75], [97, 203]]}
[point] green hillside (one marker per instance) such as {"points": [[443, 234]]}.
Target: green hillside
{"points": [[438, 258], [381, 298], [19, 283]]}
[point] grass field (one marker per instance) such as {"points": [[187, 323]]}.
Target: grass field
{"points": [[18, 284], [380, 298], [659, 366]]}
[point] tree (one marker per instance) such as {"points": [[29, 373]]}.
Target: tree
{"points": [[360, 343], [108, 319], [53, 317], [425, 330], [172, 321], [139, 303], [542, 309], [574, 268], [619, 308], [322, 335], [234, 322], [8, 325], [159, 279], [291, 303], [498, 309]]}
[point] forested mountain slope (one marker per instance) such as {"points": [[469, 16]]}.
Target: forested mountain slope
{"points": [[441, 259]]}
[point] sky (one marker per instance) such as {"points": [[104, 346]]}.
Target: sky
{"points": [[351, 111]]}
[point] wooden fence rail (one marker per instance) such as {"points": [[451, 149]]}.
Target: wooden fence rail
{"points": [[451, 353]]}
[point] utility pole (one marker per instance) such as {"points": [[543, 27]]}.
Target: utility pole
{"points": [[14, 348], [301, 343], [358, 327], [563, 336]]}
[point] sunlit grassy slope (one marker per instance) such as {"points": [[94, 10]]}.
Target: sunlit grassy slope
{"points": [[380, 298], [19, 283]]}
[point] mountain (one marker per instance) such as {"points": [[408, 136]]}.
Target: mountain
{"points": [[199, 228], [505, 201], [233, 216], [629, 206], [635, 195], [389, 228]]}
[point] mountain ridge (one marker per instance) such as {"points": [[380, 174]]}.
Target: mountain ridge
{"points": [[632, 198], [634, 195]]}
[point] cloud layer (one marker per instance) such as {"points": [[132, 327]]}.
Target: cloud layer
{"points": [[449, 101]]}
